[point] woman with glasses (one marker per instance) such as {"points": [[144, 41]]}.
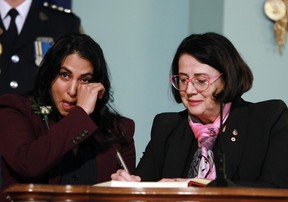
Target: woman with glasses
{"points": [[65, 131], [219, 136]]}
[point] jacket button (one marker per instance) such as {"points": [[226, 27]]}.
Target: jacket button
{"points": [[15, 58]]}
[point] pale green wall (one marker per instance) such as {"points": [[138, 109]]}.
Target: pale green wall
{"points": [[206, 16], [139, 39]]}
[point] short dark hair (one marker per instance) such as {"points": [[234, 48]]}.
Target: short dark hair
{"points": [[218, 52]]}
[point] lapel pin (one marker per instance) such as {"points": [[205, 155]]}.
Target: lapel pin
{"points": [[235, 132]]}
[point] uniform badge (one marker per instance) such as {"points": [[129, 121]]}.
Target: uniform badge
{"points": [[41, 46], [43, 16]]}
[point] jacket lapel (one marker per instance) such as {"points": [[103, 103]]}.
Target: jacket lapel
{"points": [[2, 28], [234, 138], [3, 36], [178, 149]]}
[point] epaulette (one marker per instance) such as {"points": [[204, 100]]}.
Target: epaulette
{"points": [[60, 8]]}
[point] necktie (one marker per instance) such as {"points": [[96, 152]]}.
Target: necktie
{"points": [[12, 30], [202, 165]]}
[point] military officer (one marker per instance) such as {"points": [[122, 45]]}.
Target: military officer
{"points": [[38, 26]]}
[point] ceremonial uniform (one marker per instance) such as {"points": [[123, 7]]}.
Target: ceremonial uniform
{"points": [[19, 64]]}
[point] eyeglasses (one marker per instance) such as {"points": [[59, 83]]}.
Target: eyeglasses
{"points": [[200, 82]]}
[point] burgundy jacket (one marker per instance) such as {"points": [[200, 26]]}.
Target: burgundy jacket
{"points": [[31, 152]]}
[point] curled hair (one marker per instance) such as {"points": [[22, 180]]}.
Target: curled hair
{"points": [[218, 52], [85, 47]]}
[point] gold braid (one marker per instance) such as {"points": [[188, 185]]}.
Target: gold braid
{"points": [[280, 29]]}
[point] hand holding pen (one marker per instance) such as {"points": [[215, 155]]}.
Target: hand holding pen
{"points": [[121, 161], [124, 174]]}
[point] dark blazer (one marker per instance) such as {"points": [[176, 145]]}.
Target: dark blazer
{"points": [[40, 22], [255, 144], [32, 153]]}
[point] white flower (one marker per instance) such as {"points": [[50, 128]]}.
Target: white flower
{"points": [[45, 110]]}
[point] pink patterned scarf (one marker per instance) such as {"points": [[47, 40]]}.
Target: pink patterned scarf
{"points": [[203, 165]]}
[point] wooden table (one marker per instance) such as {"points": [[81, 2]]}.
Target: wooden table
{"points": [[61, 193]]}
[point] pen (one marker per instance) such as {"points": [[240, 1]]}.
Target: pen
{"points": [[119, 157]]}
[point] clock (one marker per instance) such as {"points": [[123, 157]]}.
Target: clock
{"points": [[275, 9]]}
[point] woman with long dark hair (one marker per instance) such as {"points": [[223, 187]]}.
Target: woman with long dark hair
{"points": [[65, 130]]}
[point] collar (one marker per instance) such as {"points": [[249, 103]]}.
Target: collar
{"points": [[22, 9], [226, 111], [4, 9]]}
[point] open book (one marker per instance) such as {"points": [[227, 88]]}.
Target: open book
{"points": [[192, 182]]}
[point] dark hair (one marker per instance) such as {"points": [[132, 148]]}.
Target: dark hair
{"points": [[218, 52], [88, 49]]}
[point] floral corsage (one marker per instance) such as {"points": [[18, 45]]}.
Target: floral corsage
{"points": [[41, 110]]}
